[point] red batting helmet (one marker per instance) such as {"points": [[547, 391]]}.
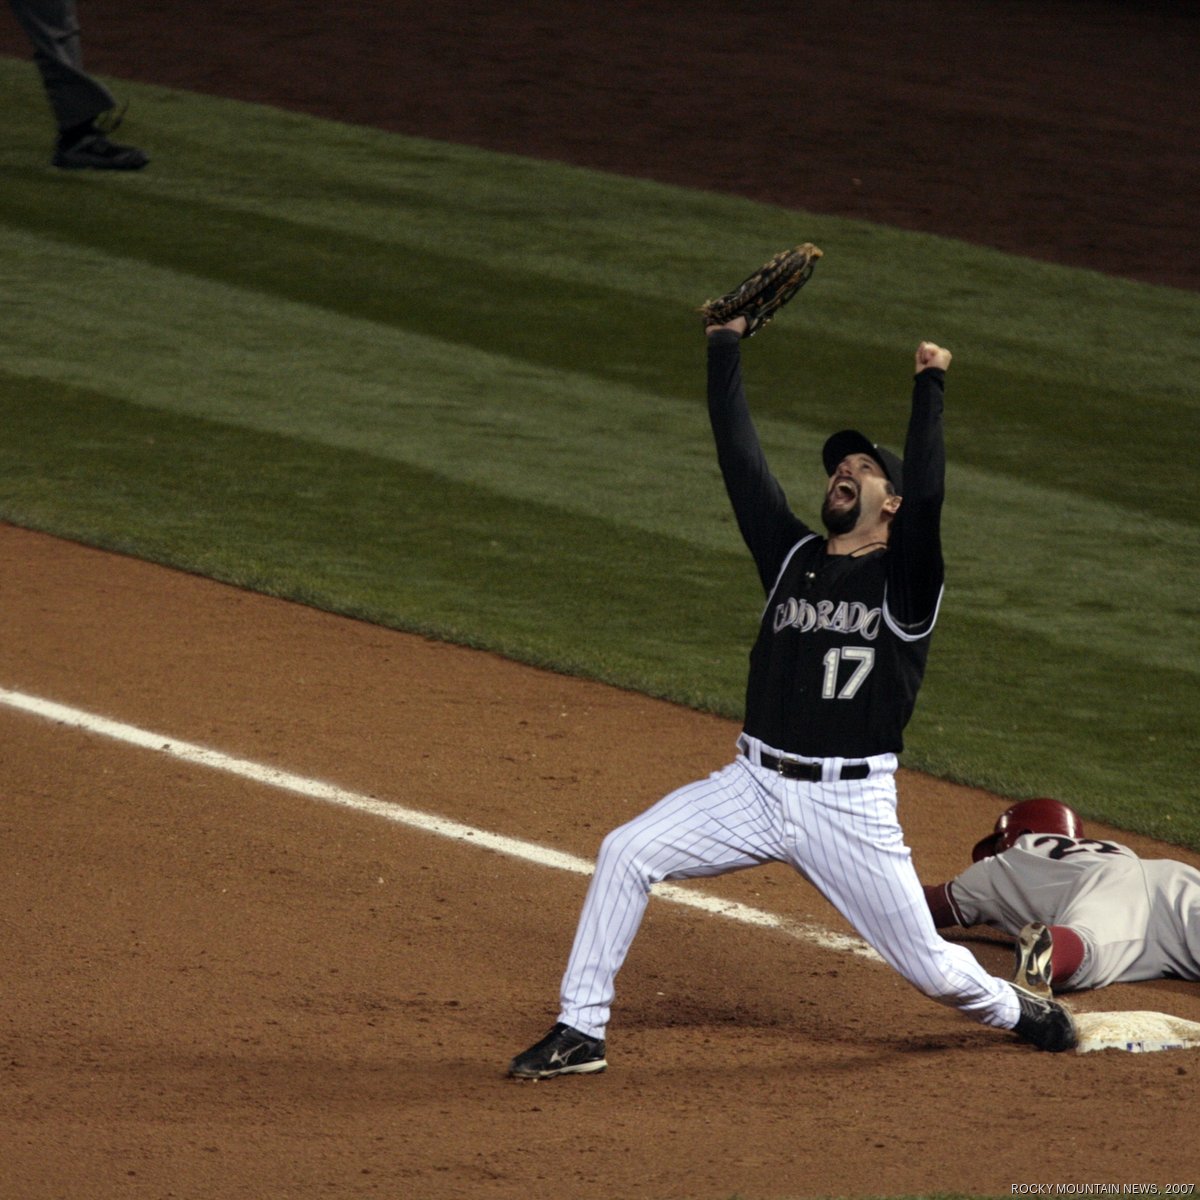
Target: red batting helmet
{"points": [[1042, 815]]}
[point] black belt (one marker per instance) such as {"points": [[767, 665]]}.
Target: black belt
{"points": [[789, 768]]}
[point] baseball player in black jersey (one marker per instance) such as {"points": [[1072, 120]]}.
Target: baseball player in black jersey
{"points": [[834, 675]]}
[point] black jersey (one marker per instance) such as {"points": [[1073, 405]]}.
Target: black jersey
{"points": [[843, 641]]}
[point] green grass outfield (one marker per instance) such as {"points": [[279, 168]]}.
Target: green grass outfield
{"points": [[463, 393]]}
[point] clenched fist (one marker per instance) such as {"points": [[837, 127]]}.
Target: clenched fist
{"points": [[929, 354]]}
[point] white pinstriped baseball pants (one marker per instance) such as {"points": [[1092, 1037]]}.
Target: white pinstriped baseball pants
{"points": [[843, 836]]}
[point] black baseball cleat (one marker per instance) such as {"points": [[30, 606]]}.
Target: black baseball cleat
{"points": [[1045, 1023], [95, 152], [563, 1051], [1034, 947]]}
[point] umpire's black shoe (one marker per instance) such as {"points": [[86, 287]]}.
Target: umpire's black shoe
{"points": [[93, 151], [563, 1051], [1034, 948], [1045, 1023]]}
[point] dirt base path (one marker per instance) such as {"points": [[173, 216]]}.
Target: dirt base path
{"points": [[214, 987]]}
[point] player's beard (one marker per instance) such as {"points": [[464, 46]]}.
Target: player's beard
{"points": [[840, 520]]}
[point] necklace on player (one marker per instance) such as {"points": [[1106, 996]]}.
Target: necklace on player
{"points": [[858, 552], [863, 549]]}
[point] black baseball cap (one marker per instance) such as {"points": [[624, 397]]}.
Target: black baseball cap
{"points": [[850, 441]]}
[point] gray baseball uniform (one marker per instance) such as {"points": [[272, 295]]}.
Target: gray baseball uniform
{"points": [[1138, 918]]}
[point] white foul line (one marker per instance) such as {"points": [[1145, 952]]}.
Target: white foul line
{"points": [[331, 794]]}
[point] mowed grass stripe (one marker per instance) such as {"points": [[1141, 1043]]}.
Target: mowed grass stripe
{"points": [[1017, 711], [635, 236], [387, 542], [572, 443], [1063, 376]]}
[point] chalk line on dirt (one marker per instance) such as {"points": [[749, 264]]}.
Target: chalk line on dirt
{"points": [[329, 793]]}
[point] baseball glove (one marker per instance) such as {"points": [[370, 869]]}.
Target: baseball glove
{"points": [[764, 293]]}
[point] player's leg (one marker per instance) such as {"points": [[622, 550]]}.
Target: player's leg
{"points": [[886, 902], [710, 827], [851, 846], [1070, 955], [53, 30]]}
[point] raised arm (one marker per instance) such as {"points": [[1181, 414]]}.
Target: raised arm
{"points": [[767, 524], [916, 568]]}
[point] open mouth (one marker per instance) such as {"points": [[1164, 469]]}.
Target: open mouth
{"points": [[844, 491]]}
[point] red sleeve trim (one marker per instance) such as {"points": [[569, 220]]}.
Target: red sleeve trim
{"points": [[941, 905]]}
